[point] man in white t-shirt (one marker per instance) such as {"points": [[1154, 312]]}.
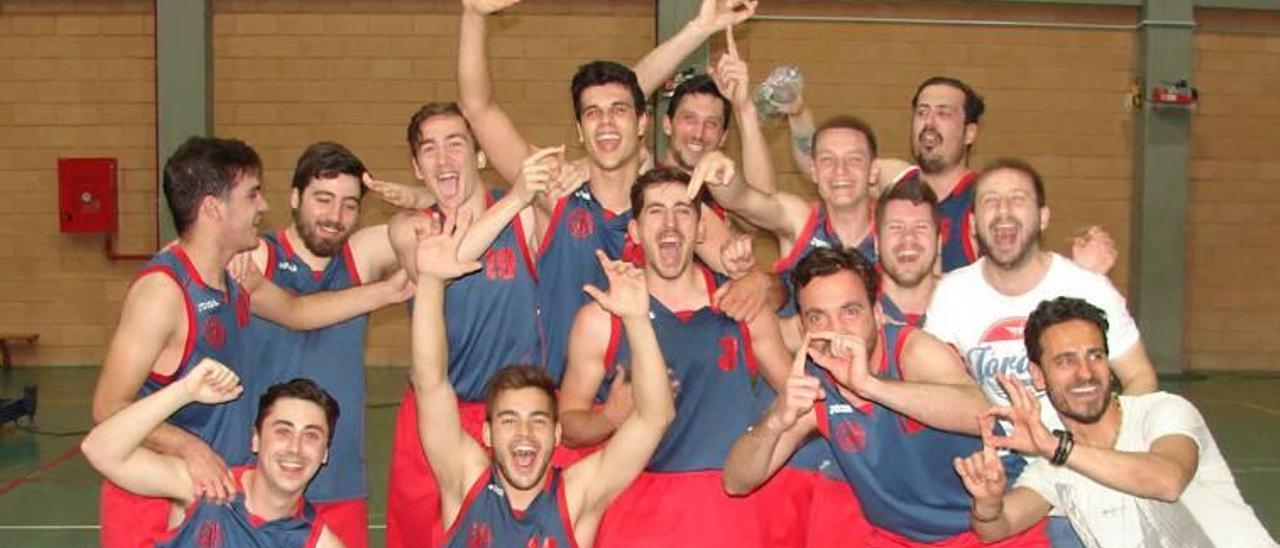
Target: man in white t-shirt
{"points": [[981, 309], [1127, 470]]}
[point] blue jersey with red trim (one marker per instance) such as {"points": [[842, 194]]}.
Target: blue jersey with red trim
{"points": [[487, 518], [895, 315], [956, 212], [900, 469], [209, 525], [217, 327], [567, 260], [817, 233], [710, 355], [491, 315], [332, 356]]}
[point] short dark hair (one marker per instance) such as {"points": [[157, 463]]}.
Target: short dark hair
{"points": [[845, 122], [299, 389], [1015, 164], [974, 105], [326, 160], [599, 73], [700, 84], [204, 166], [909, 189], [826, 261], [1060, 310], [658, 176], [515, 377], [427, 112]]}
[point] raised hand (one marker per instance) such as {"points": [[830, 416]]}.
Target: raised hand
{"points": [[714, 169], [212, 382], [485, 7], [799, 394], [715, 15], [399, 195], [1029, 436], [983, 475], [744, 298], [844, 356], [1094, 249], [399, 287], [628, 295], [245, 271], [737, 256], [731, 74], [438, 250], [538, 172]]}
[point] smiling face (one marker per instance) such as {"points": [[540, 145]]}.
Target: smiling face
{"points": [[907, 239], [522, 430], [839, 303], [698, 126], [291, 443], [326, 213], [939, 135], [841, 166], [1074, 369], [446, 160], [241, 212], [609, 125], [668, 226], [1008, 218]]}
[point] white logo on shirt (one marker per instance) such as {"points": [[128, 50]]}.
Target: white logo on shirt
{"points": [[819, 242], [208, 305], [286, 265], [839, 409], [496, 490]]}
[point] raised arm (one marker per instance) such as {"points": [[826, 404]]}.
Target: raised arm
{"points": [[780, 213], [935, 389], [767, 445], [115, 449], [713, 16], [995, 514], [152, 329], [580, 421], [456, 459], [503, 144], [316, 310], [596, 480], [733, 78], [1135, 372]]}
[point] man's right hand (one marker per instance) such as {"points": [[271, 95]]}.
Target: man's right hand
{"points": [[437, 255], [628, 295], [211, 382], [210, 478], [983, 475], [714, 168], [799, 394], [485, 7], [399, 195]]}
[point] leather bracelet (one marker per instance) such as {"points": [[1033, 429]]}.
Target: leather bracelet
{"points": [[1066, 442]]}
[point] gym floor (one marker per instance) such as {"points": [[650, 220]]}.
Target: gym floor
{"points": [[49, 495]]}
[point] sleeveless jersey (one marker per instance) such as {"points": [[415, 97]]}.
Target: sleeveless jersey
{"points": [[217, 327], [209, 525], [491, 315], [900, 469], [487, 519], [332, 356], [895, 315], [955, 224], [567, 260], [711, 356], [817, 233]]}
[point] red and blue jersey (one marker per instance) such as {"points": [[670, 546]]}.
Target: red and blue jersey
{"points": [[956, 223], [332, 356], [487, 519], [895, 315], [900, 469], [491, 315], [817, 233], [217, 327], [232, 525], [710, 355], [566, 261]]}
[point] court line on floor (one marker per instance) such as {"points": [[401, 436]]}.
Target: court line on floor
{"points": [[47, 466], [1250, 405]]}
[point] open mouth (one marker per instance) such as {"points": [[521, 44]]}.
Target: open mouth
{"points": [[608, 142], [909, 254], [524, 457], [929, 139], [447, 184], [1005, 234]]}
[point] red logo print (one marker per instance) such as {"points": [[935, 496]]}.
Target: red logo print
{"points": [[215, 333], [728, 353], [944, 229], [210, 534], [242, 309], [911, 426], [580, 224], [500, 264], [850, 437], [632, 253], [545, 543], [479, 536], [1008, 329]]}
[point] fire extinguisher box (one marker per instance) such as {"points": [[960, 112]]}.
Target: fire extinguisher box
{"points": [[87, 195]]}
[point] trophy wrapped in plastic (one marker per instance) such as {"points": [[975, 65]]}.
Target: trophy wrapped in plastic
{"points": [[780, 88]]}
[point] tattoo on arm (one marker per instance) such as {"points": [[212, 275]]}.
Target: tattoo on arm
{"points": [[803, 142]]}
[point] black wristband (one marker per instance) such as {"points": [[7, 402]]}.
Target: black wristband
{"points": [[1065, 443]]}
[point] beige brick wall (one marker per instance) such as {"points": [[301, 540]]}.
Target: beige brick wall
{"points": [[76, 79], [1233, 245]]}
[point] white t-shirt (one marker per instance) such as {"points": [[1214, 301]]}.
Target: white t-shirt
{"points": [[1210, 511], [986, 326]]}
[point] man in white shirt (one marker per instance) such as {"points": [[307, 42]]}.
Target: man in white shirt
{"points": [[1127, 470]]}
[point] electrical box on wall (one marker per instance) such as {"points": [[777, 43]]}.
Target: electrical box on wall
{"points": [[87, 195]]}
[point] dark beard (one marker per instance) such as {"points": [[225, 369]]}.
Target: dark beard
{"points": [[318, 246], [1021, 258], [1066, 411]]}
